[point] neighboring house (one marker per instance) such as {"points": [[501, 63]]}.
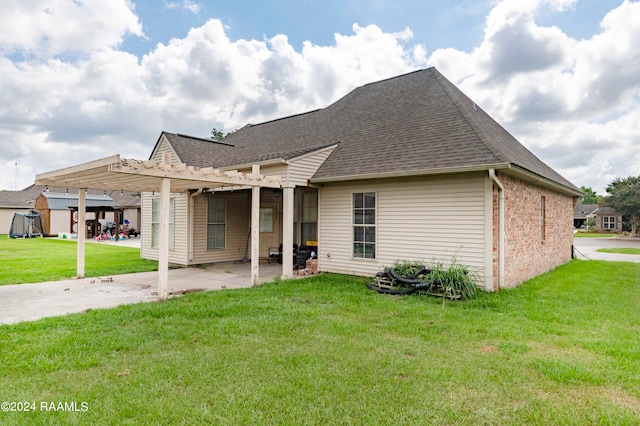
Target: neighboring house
{"points": [[607, 220], [581, 213], [9, 206], [60, 218], [407, 168]]}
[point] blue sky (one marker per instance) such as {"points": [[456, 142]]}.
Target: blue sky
{"points": [[435, 23], [85, 79]]}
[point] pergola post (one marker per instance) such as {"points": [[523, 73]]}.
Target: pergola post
{"points": [[255, 230], [82, 231], [287, 231], [163, 244]]}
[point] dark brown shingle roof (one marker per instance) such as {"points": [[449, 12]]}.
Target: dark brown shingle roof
{"points": [[415, 122]]}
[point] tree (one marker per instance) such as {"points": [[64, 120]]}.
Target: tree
{"points": [[217, 135], [589, 197], [624, 196]]}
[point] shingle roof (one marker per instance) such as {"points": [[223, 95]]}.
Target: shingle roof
{"points": [[8, 199], [415, 122], [580, 211], [605, 210]]}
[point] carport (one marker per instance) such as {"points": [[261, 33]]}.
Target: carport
{"points": [[115, 173]]}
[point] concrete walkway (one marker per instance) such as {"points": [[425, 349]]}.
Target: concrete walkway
{"points": [[29, 302], [586, 248]]}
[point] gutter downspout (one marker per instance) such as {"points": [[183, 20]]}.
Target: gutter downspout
{"points": [[501, 215]]}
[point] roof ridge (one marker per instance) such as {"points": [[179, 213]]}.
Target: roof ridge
{"points": [[397, 76], [182, 135], [467, 115]]}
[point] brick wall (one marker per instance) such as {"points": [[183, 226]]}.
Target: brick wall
{"points": [[533, 245]]}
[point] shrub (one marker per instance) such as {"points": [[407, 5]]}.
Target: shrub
{"points": [[453, 282]]}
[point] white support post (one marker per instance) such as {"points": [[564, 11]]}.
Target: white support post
{"points": [[255, 230], [287, 231], [82, 231], [163, 244]]}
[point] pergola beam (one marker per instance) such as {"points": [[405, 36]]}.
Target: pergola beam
{"points": [[181, 172]]}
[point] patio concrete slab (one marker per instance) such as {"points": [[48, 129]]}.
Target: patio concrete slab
{"points": [[29, 302]]}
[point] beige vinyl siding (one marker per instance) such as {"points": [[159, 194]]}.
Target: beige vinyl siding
{"points": [[237, 228], [303, 167], [297, 170], [165, 146], [275, 170], [179, 254], [427, 218], [132, 216], [145, 226], [60, 221], [6, 218]]}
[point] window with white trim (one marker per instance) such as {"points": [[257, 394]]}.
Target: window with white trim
{"points": [[155, 223], [609, 222], [364, 225], [216, 223]]}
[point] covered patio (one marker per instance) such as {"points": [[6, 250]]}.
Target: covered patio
{"points": [[165, 178]]}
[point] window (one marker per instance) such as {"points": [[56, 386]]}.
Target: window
{"points": [[543, 219], [266, 219], [364, 225], [155, 223], [609, 222], [216, 223], [309, 216]]}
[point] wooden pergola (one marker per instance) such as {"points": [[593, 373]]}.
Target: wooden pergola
{"points": [[163, 177]]}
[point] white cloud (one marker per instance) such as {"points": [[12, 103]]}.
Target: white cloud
{"points": [[51, 27], [567, 99], [187, 5], [575, 103], [64, 112]]}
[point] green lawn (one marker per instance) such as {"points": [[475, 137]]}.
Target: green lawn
{"points": [[45, 259], [620, 250], [593, 235], [561, 349]]}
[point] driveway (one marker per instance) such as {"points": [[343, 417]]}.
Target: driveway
{"points": [[586, 248], [29, 302]]}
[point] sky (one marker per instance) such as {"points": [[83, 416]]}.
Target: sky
{"points": [[86, 79]]}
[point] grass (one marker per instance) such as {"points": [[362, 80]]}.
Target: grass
{"points": [[620, 250], [44, 259], [593, 235], [563, 348]]}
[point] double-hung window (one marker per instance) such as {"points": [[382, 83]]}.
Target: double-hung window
{"points": [[216, 223], [364, 225]]}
